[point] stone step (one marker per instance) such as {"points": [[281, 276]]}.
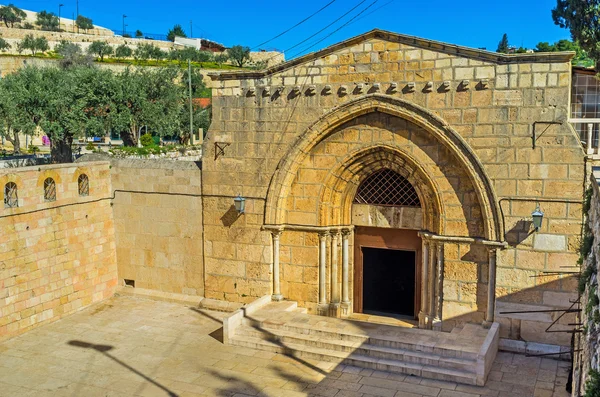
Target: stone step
{"points": [[364, 349], [444, 344], [356, 359]]}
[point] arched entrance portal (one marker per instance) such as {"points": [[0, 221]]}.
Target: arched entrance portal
{"points": [[387, 215], [311, 200]]}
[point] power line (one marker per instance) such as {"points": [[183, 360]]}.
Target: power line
{"points": [[337, 30], [375, 10], [310, 37], [296, 25], [332, 23]]}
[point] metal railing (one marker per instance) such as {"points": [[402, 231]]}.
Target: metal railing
{"points": [[589, 133]]}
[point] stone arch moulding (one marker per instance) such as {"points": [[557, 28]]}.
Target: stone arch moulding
{"points": [[436, 126], [341, 185]]}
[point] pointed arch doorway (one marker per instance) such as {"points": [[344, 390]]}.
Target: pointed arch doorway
{"points": [[387, 215]]}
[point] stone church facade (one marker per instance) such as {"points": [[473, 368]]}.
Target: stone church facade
{"points": [[385, 175], [384, 144]]}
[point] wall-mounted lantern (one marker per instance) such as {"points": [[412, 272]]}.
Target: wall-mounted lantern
{"points": [[240, 204], [537, 216]]}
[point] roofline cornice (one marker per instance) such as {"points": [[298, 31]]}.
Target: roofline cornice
{"points": [[452, 49]]}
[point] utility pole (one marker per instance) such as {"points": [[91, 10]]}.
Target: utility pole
{"points": [[59, 7], [190, 94], [124, 16]]}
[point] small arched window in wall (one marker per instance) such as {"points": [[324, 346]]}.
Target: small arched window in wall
{"points": [[84, 185], [386, 187], [11, 200], [49, 190]]}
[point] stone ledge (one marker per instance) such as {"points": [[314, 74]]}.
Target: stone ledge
{"points": [[522, 347], [192, 300]]}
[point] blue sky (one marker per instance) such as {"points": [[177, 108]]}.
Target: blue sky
{"points": [[251, 22]]}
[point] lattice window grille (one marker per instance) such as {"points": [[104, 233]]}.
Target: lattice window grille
{"points": [[387, 187], [11, 199], [84, 185], [49, 190]]}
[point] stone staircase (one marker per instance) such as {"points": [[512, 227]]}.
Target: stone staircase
{"points": [[464, 355]]}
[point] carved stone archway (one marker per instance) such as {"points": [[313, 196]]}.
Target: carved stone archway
{"points": [[283, 178]]}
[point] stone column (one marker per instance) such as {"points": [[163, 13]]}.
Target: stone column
{"points": [[491, 295], [431, 285], [276, 284], [335, 285], [439, 289], [345, 273], [323, 271], [423, 320]]}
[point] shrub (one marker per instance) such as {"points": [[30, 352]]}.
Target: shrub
{"points": [[592, 385], [585, 276], [33, 149], [90, 146], [147, 140], [4, 44]]}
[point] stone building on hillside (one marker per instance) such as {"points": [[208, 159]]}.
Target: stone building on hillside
{"points": [[393, 174]]}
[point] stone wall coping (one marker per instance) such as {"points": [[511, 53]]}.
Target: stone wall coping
{"points": [[452, 49], [141, 163], [51, 167], [462, 239]]}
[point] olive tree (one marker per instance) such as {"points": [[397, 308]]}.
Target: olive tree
{"points": [[47, 21], [239, 55], [100, 49], [123, 51], [84, 23], [11, 14]]}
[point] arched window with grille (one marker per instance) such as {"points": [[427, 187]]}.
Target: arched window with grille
{"points": [[11, 198], [49, 190], [386, 187], [83, 183]]}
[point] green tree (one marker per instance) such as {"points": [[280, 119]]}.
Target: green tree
{"points": [[581, 57], [33, 44], [72, 55], [582, 18], [11, 14], [100, 49], [19, 94], [123, 51], [221, 58], [4, 45], [139, 34], [149, 98], [199, 89], [239, 55], [84, 23], [177, 31], [47, 21], [147, 51], [503, 45]]}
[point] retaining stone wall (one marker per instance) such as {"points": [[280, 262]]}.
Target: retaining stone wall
{"points": [[55, 257]]}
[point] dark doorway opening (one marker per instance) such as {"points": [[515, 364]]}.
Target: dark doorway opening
{"points": [[388, 281]]}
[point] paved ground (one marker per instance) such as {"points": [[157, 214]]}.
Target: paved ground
{"points": [[135, 347]]}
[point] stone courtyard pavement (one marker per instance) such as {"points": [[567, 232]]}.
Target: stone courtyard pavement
{"points": [[128, 346]]}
